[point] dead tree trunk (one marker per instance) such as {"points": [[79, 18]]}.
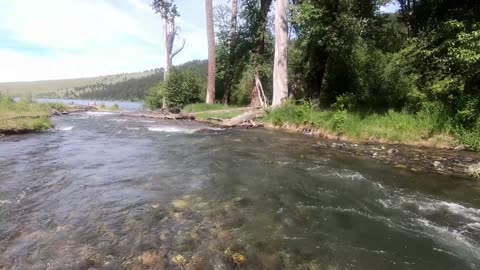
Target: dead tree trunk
{"points": [[168, 12], [280, 75], [211, 53]]}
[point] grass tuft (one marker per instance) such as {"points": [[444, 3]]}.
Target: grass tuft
{"points": [[202, 107]]}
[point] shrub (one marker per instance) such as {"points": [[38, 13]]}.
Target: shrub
{"points": [[178, 90]]}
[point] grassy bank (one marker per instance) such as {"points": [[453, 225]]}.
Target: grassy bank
{"points": [[23, 116], [203, 107], [204, 112], [427, 127]]}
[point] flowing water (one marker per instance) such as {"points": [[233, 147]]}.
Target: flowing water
{"points": [[102, 191]]}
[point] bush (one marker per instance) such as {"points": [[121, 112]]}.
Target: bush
{"points": [[382, 80], [178, 90], [57, 106]]}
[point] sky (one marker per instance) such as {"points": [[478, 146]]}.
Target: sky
{"points": [[58, 39]]}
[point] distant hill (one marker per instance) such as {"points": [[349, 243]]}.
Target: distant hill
{"points": [[131, 89], [135, 88], [126, 86], [60, 88]]}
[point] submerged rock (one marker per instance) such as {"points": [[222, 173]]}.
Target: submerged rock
{"points": [[438, 165], [474, 170], [181, 204], [239, 259], [392, 151], [180, 260], [235, 257], [196, 263], [149, 258]]}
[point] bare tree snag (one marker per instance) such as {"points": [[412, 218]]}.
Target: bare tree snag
{"points": [[168, 11], [210, 99], [258, 98], [280, 75]]}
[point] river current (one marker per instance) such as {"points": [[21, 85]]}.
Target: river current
{"points": [[103, 191]]}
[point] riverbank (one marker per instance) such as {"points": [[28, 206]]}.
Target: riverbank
{"points": [[22, 116], [425, 128], [405, 141]]}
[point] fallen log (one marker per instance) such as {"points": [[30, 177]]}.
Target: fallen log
{"points": [[231, 110], [243, 118], [81, 108], [167, 116]]}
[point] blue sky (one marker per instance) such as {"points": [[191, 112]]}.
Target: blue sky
{"points": [[56, 39]]}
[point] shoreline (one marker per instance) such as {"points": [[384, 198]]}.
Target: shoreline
{"points": [[411, 157], [415, 157]]}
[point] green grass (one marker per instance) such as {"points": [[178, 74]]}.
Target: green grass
{"points": [[16, 117], [392, 127], [203, 116], [202, 107]]}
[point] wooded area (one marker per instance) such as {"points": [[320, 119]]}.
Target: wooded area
{"points": [[422, 58]]}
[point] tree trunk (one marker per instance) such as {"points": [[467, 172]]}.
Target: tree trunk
{"points": [[280, 74], [211, 53], [168, 62], [169, 31]]}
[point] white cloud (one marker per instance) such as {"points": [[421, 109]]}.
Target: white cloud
{"points": [[90, 37]]}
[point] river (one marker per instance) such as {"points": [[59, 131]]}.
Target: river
{"points": [[102, 191]]}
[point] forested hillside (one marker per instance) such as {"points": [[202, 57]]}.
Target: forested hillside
{"points": [[62, 88], [136, 88]]}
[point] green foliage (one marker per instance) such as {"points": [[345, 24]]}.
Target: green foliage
{"points": [[42, 123], [203, 116], [400, 127], [291, 113], [56, 106], [202, 107], [382, 80], [178, 90], [23, 116], [339, 120], [115, 107], [250, 53]]}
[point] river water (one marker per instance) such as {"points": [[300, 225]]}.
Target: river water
{"points": [[102, 191]]}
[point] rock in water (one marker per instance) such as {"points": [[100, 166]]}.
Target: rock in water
{"points": [[474, 170], [181, 205], [179, 260], [438, 165], [149, 258], [239, 259]]}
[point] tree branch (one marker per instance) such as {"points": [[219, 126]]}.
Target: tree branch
{"points": [[179, 49]]}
